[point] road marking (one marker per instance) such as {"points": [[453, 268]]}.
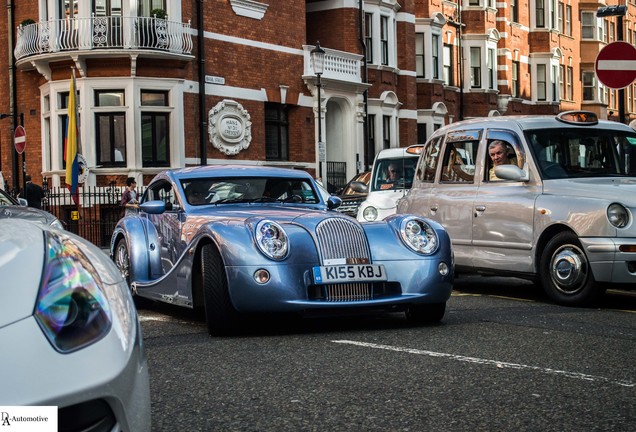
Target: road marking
{"points": [[499, 364]]}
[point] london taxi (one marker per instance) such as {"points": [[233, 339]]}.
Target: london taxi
{"points": [[561, 212]]}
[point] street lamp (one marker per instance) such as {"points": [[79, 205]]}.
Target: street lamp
{"points": [[318, 65], [618, 11]]}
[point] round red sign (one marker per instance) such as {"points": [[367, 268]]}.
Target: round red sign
{"points": [[19, 139], [615, 65]]}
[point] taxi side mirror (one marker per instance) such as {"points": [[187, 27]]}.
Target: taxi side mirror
{"points": [[511, 172]]}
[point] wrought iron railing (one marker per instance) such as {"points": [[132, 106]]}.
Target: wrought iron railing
{"points": [[108, 32]]}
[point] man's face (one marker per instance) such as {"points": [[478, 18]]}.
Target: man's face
{"points": [[392, 172], [498, 155]]}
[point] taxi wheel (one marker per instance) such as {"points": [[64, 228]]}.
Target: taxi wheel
{"points": [[122, 261], [220, 315], [565, 272], [425, 314]]}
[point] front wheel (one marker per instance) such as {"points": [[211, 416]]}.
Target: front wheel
{"points": [[425, 314], [122, 261], [565, 272], [220, 314]]}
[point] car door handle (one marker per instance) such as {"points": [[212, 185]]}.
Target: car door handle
{"points": [[480, 208], [434, 209]]}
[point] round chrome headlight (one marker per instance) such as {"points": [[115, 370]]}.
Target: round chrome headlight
{"points": [[617, 215], [419, 236], [370, 213], [272, 239]]}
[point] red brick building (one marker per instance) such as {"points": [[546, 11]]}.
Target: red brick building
{"points": [[169, 83]]}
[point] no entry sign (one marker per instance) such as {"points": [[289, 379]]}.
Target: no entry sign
{"points": [[19, 139], [615, 65]]}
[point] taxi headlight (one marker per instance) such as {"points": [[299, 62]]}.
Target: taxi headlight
{"points": [[72, 308], [370, 213], [617, 215], [419, 236], [272, 239]]}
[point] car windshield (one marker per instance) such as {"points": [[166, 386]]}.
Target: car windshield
{"points": [[394, 173], [204, 191], [5, 199], [583, 152]]}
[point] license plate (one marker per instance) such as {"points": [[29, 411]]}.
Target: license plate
{"points": [[349, 273]]}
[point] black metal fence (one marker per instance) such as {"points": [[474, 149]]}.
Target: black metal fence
{"points": [[95, 215], [336, 175]]}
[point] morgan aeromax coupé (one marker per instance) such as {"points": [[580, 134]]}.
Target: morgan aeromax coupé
{"points": [[229, 241]]}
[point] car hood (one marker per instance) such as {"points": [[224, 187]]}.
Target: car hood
{"points": [[21, 261], [277, 213], [385, 199], [29, 213], [619, 189]]}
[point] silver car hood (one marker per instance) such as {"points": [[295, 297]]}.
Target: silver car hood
{"points": [[29, 213], [21, 261], [619, 189]]}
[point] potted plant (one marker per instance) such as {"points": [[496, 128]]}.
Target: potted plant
{"points": [[158, 13], [27, 22]]}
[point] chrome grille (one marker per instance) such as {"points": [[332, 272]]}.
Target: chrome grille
{"points": [[341, 238], [348, 292]]}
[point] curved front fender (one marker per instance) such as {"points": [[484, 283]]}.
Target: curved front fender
{"points": [[142, 241]]}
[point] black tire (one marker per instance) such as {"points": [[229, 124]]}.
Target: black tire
{"points": [[220, 315], [425, 314], [565, 272], [121, 258]]}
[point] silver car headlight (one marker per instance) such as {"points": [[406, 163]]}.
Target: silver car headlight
{"points": [[617, 215], [370, 213], [272, 239], [72, 309], [57, 224], [419, 236]]}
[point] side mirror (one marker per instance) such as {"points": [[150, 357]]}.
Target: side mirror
{"points": [[511, 172], [333, 202], [359, 187], [23, 202], [153, 207]]}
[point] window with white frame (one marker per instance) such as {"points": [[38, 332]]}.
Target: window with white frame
{"points": [[384, 40], [541, 82], [540, 13], [589, 85], [380, 34], [570, 83], [514, 10], [568, 20], [515, 79], [435, 55], [155, 122], [110, 128], [419, 55], [448, 65], [386, 132], [475, 67], [492, 71], [368, 36], [562, 81], [588, 25], [560, 26]]}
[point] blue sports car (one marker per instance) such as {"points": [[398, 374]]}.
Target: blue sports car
{"points": [[229, 241]]}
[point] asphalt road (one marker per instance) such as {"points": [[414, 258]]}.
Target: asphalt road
{"points": [[503, 359]]}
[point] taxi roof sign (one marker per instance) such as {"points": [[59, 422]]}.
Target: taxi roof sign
{"points": [[582, 118]]}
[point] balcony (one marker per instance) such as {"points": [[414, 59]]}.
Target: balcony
{"points": [[115, 35], [341, 67]]}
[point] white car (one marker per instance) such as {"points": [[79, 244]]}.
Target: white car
{"points": [[69, 331], [384, 191]]}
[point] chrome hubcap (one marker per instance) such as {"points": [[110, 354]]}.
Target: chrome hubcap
{"points": [[121, 261], [568, 269]]}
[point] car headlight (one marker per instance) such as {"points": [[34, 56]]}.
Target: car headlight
{"points": [[57, 224], [370, 213], [617, 215], [71, 308], [419, 236], [272, 239]]}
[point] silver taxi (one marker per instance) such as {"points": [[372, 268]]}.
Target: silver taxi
{"points": [[560, 210]]}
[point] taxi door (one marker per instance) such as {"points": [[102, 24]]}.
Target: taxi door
{"points": [[503, 213], [452, 200]]}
